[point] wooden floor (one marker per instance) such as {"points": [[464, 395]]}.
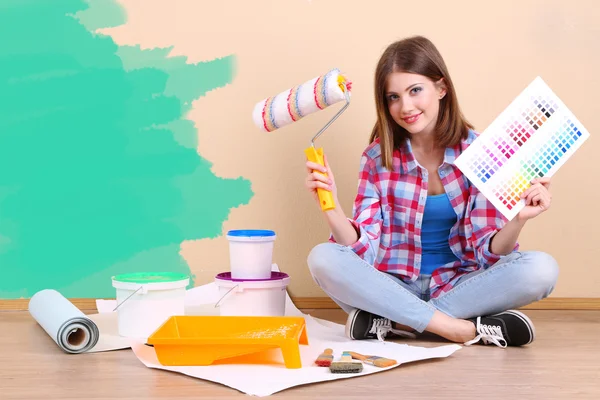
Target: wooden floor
{"points": [[563, 363]]}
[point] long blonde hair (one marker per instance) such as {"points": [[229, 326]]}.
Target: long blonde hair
{"points": [[417, 55]]}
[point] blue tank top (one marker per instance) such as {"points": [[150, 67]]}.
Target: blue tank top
{"points": [[438, 218]]}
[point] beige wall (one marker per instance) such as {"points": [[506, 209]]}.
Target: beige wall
{"points": [[492, 51]]}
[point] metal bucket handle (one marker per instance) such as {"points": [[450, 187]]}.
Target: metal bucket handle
{"points": [[225, 295], [144, 291]]}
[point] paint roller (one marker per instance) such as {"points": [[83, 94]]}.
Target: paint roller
{"points": [[297, 102]]}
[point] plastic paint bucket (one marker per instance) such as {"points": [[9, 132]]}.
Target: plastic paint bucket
{"points": [[258, 297], [146, 300], [251, 253]]}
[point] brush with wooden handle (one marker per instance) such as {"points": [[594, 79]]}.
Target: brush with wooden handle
{"points": [[377, 361], [345, 365], [325, 359]]}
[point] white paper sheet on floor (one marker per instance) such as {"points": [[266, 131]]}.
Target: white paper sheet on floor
{"points": [[264, 380], [272, 377]]}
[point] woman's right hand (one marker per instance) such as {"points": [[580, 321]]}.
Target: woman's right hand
{"points": [[316, 179]]}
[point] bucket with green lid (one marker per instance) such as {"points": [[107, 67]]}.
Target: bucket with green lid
{"points": [[145, 300]]}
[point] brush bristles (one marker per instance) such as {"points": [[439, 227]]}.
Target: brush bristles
{"points": [[324, 361], [346, 367]]}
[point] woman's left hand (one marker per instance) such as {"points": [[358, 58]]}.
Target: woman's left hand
{"points": [[537, 198]]}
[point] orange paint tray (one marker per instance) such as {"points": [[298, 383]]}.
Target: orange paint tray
{"points": [[202, 340]]}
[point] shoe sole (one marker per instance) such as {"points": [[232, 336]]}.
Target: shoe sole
{"points": [[525, 319], [350, 323]]}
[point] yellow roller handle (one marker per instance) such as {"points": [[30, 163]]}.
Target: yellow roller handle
{"points": [[325, 196]]}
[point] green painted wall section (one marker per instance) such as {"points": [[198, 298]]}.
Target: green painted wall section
{"points": [[99, 172]]}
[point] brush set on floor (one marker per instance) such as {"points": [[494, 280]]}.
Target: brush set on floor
{"points": [[346, 363]]}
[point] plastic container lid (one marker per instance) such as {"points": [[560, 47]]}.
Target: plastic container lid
{"points": [[251, 234], [226, 276], [151, 280], [277, 280]]}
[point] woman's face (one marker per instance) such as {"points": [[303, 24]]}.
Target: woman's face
{"points": [[414, 101]]}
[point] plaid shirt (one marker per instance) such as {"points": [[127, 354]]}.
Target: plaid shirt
{"points": [[388, 212]]}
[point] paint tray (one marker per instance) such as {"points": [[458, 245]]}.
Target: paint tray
{"points": [[202, 340]]}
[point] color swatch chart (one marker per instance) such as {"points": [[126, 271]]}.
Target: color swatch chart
{"points": [[533, 137]]}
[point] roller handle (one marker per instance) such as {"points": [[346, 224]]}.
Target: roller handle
{"points": [[325, 196]]}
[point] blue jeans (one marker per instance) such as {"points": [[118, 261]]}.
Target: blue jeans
{"points": [[518, 279]]}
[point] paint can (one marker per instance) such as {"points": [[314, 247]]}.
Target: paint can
{"points": [[252, 297], [251, 253], [145, 300]]}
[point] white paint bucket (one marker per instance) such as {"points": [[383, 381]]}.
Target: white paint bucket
{"points": [[146, 300], [259, 297], [251, 253]]}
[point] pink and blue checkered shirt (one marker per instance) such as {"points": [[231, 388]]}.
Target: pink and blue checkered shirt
{"points": [[388, 212]]}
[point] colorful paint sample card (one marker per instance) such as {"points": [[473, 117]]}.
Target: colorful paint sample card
{"points": [[533, 137]]}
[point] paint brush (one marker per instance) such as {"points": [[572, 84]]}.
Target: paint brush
{"points": [[325, 359], [345, 365], [377, 361]]}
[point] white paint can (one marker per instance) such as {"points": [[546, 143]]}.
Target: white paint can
{"points": [[258, 297], [146, 300], [251, 253]]}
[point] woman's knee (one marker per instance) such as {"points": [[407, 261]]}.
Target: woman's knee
{"points": [[540, 273], [323, 259]]}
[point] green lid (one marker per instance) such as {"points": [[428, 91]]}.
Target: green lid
{"points": [[150, 277]]}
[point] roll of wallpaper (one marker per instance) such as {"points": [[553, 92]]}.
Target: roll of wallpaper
{"points": [[70, 329]]}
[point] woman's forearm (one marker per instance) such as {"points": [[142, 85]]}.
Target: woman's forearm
{"points": [[341, 228], [505, 240]]}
